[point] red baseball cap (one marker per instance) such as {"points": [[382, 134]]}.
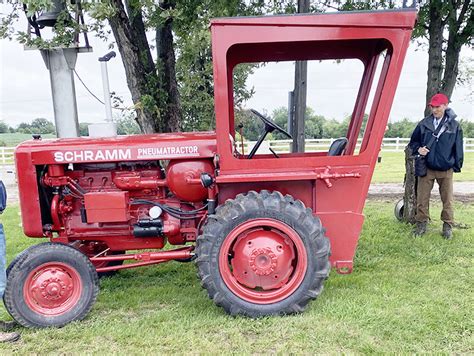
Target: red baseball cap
{"points": [[439, 99]]}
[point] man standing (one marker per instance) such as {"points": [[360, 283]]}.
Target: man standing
{"points": [[4, 325], [443, 157]]}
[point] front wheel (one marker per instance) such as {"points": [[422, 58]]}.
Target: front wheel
{"points": [[263, 254], [51, 285]]}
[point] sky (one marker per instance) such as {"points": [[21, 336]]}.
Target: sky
{"points": [[25, 91]]}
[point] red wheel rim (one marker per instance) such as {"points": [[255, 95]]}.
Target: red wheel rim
{"points": [[263, 261], [52, 289]]}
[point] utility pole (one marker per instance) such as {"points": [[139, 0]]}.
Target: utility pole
{"points": [[61, 61], [299, 99]]}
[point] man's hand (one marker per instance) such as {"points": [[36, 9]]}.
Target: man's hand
{"points": [[423, 151]]}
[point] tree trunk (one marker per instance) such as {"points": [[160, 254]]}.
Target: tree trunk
{"points": [[435, 51], [139, 34], [456, 14], [139, 67], [167, 72], [409, 198], [456, 39]]}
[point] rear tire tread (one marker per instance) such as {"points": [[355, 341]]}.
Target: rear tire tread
{"points": [[275, 206]]}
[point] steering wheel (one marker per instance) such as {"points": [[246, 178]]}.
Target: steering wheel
{"points": [[270, 126]]}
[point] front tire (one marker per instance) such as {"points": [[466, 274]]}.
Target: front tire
{"points": [[51, 285], [263, 254]]}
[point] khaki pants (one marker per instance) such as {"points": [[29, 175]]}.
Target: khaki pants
{"points": [[425, 185]]}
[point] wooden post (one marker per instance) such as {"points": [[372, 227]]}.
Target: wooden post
{"points": [[409, 198], [301, 74]]}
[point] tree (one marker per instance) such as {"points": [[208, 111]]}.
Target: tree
{"points": [[334, 129], [127, 23], [455, 18], [194, 69], [127, 125], [42, 126], [3, 127], [314, 124], [181, 28], [167, 69], [84, 128], [467, 127], [252, 127], [447, 25], [37, 126], [402, 128]]}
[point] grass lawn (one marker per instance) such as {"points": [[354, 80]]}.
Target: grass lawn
{"points": [[392, 168], [404, 296], [13, 139]]}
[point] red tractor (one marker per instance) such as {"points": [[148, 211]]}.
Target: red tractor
{"points": [[262, 228]]}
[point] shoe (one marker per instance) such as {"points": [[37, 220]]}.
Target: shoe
{"points": [[7, 325], [9, 337], [447, 231], [420, 229]]}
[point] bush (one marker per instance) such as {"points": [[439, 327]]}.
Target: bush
{"points": [[3, 127]]}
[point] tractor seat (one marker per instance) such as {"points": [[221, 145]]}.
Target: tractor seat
{"points": [[337, 146]]}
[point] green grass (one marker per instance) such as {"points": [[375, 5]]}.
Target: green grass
{"points": [[404, 296], [13, 139], [392, 168]]}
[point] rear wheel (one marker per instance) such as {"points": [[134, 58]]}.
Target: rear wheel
{"points": [[51, 285], [263, 254]]}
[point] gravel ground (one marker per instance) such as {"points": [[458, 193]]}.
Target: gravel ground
{"points": [[463, 191]]}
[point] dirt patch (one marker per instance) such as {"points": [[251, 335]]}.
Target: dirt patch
{"points": [[392, 198], [463, 191]]}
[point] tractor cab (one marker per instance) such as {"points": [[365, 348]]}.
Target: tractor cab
{"points": [[333, 182], [376, 40]]}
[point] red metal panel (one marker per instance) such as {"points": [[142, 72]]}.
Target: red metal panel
{"points": [[343, 230], [121, 148], [28, 194], [379, 19], [106, 207]]}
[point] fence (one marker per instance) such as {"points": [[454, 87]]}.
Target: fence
{"points": [[311, 145], [397, 144], [6, 155]]}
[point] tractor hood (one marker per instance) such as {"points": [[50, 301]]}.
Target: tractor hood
{"points": [[120, 148]]}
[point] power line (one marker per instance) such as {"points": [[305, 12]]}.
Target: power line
{"points": [[91, 93]]}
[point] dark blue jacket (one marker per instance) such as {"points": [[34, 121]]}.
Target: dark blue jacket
{"points": [[446, 152], [3, 197]]}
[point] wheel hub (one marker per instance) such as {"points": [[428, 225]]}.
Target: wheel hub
{"points": [[262, 258], [52, 289], [263, 261]]}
